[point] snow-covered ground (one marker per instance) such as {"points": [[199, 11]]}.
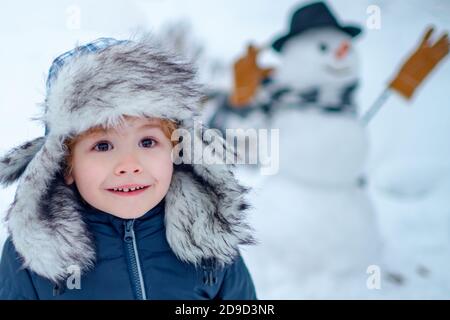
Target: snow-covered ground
{"points": [[409, 165]]}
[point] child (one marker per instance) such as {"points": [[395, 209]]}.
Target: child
{"points": [[101, 210]]}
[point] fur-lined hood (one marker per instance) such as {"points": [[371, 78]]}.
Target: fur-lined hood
{"points": [[205, 206]]}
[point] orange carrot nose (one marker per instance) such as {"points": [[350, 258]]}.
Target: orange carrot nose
{"points": [[343, 49]]}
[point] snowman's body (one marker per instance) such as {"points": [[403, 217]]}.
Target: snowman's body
{"points": [[314, 219]]}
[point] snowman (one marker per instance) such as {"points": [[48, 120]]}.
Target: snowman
{"points": [[319, 67], [316, 225]]}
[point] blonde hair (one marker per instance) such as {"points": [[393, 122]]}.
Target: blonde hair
{"points": [[167, 127]]}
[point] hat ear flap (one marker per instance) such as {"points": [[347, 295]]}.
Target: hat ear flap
{"points": [[205, 204], [43, 204], [14, 163]]}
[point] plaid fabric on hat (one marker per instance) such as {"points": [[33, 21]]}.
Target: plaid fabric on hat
{"points": [[94, 46]]}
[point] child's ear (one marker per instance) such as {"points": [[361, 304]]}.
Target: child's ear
{"points": [[69, 179]]}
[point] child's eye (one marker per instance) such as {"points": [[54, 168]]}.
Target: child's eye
{"points": [[102, 146], [148, 142]]}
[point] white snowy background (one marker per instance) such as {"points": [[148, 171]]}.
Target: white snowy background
{"points": [[409, 165]]}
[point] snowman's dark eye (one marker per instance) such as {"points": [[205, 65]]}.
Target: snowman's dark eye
{"points": [[323, 47]]}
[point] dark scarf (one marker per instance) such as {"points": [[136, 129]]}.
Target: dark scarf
{"points": [[273, 97]]}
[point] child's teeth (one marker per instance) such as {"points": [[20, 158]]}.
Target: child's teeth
{"points": [[127, 189]]}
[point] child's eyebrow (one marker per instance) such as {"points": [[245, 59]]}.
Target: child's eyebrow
{"points": [[150, 125], [101, 133]]}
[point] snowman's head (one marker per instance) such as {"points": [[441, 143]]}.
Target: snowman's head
{"points": [[316, 58]]}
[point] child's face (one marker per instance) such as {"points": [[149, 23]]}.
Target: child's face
{"points": [[136, 154]]}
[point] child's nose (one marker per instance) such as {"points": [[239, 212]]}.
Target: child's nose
{"points": [[128, 166], [137, 170]]}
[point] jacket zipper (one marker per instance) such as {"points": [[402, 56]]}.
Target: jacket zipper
{"points": [[209, 272], [138, 279]]}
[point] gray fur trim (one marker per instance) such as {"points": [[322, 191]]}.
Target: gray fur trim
{"points": [[13, 164], [205, 205], [205, 220], [44, 222], [132, 79]]}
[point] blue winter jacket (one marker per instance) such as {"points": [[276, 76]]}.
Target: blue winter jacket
{"points": [[134, 261]]}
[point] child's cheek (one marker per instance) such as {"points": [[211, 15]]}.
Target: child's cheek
{"points": [[89, 168], [163, 168]]}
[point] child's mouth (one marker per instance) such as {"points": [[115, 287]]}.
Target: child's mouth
{"points": [[128, 192]]}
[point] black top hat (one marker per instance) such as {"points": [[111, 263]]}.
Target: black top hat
{"points": [[314, 15]]}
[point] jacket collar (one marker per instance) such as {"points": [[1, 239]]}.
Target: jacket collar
{"points": [[151, 221]]}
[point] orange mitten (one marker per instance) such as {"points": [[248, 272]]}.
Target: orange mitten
{"points": [[247, 78], [420, 64]]}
